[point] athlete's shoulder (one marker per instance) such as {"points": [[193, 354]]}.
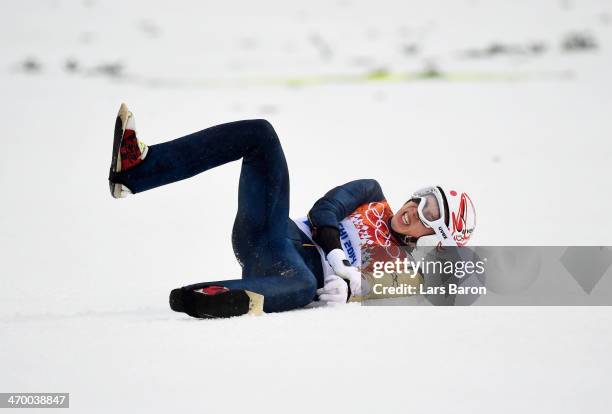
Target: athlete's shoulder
{"points": [[368, 186]]}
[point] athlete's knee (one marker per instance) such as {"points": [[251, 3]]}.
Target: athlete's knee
{"points": [[265, 133], [262, 125]]}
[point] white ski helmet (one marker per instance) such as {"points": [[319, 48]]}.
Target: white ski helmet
{"points": [[454, 219]]}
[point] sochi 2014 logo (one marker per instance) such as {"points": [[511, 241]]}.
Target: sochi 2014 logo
{"points": [[463, 219]]}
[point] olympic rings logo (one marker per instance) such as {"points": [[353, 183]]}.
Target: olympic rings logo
{"points": [[375, 214]]}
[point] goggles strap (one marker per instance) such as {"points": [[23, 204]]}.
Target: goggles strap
{"points": [[444, 234]]}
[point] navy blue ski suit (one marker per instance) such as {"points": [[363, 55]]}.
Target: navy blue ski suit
{"points": [[278, 260]]}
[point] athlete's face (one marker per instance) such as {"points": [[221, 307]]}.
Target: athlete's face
{"points": [[406, 221]]}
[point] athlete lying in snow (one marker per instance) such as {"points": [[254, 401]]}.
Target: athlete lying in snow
{"points": [[286, 264]]}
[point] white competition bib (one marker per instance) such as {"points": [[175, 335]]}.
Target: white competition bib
{"points": [[349, 238]]}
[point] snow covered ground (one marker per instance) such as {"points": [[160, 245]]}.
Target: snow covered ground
{"points": [[519, 120]]}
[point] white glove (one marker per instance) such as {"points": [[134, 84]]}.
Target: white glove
{"points": [[342, 267], [334, 290]]}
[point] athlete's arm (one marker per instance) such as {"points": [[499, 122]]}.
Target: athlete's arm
{"points": [[335, 205]]}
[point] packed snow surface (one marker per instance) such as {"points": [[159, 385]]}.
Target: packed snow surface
{"points": [[516, 109]]}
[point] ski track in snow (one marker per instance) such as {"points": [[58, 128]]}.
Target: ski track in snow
{"points": [[85, 278]]}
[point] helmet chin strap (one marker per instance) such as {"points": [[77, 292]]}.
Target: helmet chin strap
{"points": [[430, 240], [410, 239]]}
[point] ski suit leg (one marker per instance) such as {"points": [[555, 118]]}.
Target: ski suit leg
{"points": [[271, 264]]}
